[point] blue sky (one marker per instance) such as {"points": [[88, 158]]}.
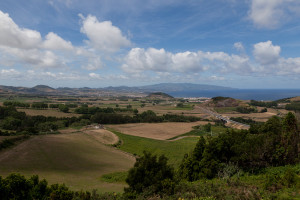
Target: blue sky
{"points": [[98, 43]]}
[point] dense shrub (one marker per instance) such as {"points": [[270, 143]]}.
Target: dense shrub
{"points": [[268, 104], [274, 143], [150, 174]]}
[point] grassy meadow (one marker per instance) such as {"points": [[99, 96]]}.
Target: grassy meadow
{"points": [[173, 150]]}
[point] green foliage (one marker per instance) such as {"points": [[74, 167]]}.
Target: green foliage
{"points": [[190, 168], [21, 123], [219, 98], [16, 104], [274, 143], [276, 180], [269, 104], [264, 110], [245, 110], [207, 127], [293, 106], [242, 120], [39, 105], [10, 123], [150, 173], [63, 108]]}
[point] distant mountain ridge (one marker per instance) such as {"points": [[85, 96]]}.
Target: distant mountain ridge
{"points": [[175, 87], [111, 91]]}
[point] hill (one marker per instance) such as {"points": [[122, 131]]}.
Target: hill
{"points": [[112, 91], [225, 102], [176, 87], [76, 159], [159, 95]]}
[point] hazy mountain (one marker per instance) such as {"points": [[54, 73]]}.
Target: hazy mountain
{"points": [[112, 91], [176, 87]]}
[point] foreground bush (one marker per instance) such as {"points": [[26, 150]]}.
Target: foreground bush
{"points": [[150, 175]]}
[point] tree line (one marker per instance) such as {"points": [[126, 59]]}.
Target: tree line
{"points": [[274, 143], [268, 104], [16, 122]]}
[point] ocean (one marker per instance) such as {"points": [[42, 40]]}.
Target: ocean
{"points": [[243, 94]]}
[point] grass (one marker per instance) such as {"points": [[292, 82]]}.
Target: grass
{"points": [[174, 150], [115, 177], [74, 159], [215, 130], [24, 99]]}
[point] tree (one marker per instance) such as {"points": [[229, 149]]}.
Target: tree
{"points": [[207, 127], [179, 105], [189, 168], [63, 108], [150, 173]]}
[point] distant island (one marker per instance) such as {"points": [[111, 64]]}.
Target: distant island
{"points": [[172, 89]]}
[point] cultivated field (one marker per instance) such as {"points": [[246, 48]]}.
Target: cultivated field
{"points": [[48, 113], [76, 159], [158, 131], [262, 117]]}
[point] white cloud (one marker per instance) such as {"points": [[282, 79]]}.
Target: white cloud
{"points": [[139, 60], [94, 63], [95, 76], [26, 47], [239, 46], [266, 53], [34, 57], [9, 73], [54, 42], [272, 13], [103, 35], [12, 35]]}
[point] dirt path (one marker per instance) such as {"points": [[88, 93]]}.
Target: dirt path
{"points": [[182, 137]]}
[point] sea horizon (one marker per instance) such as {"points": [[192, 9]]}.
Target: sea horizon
{"points": [[243, 94]]}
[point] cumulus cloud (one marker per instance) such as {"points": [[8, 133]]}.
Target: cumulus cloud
{"points": [[54, 42], [12, 35], [267, 61], [266, 53], [158, 60], [34, 57], [103, 35], [271, 13], [28, 48]]}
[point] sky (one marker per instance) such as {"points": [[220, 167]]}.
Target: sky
{"points": [[99, 43]]}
